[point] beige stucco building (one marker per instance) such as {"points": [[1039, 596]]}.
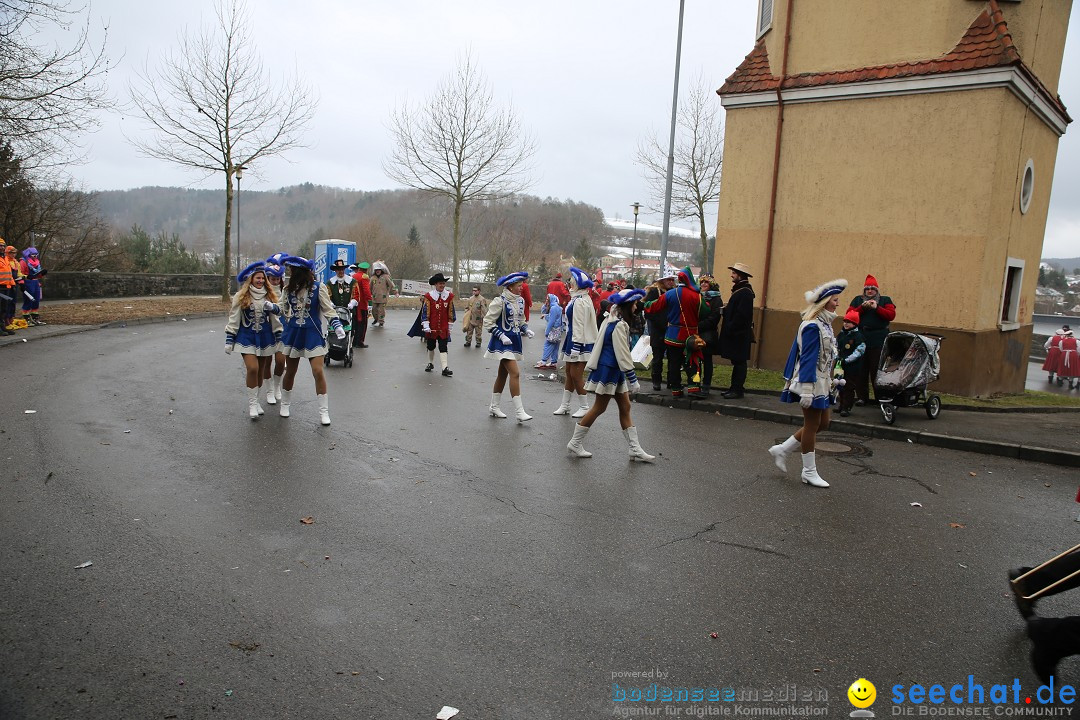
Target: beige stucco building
{"points": [[915, 141]]}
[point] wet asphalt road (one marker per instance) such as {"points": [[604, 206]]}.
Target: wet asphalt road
{"points": [[459, 560]]}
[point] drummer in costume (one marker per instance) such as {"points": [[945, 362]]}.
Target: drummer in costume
{"points": [[809, 375], [275, 279], [611, 374], [581, 334], [505, 322], [435, 321], [307, 312], [254, 329]]}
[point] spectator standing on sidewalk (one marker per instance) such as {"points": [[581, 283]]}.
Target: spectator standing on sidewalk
{"points": [[682, 305], [7, 292], [657, 326], [876, 311], [737, 332], [709, 328], [33, 273]]}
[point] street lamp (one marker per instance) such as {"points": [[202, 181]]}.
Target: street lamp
{"points": [[238, 171], [633, 254]]}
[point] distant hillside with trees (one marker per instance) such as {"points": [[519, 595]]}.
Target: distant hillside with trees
{"points": [[411, 231]]}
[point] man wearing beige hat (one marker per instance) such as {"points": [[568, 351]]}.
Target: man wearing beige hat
{"points": [[737, 331]]}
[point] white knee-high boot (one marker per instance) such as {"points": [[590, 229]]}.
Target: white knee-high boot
{"points": [[277, 385], [576, 444], [271, 399], [809, 471], [636, 451], [324, 409], [253, 403], [780, 452], [583, 407], [519, 410], [493, 408], [564, 408], [286, 400]]}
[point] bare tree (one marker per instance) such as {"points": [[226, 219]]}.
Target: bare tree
{"points": [[214, 109], [50, 93], [460, 145], [699, 153]]}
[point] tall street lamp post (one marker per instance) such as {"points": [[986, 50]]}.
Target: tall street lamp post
{"points": [[633, 254], [238, 171]]}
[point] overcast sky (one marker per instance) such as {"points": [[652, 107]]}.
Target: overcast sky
{"points": [[589, 79]]}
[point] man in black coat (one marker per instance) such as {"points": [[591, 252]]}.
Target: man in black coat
{"points": [[657, 325], [736, 333]]}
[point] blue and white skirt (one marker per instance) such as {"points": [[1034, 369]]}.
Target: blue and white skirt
{"points": [[607, 380], [497, 349], [261, 343], [303, 342]]}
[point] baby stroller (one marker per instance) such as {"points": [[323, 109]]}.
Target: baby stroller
{"points": [[341, 350], [909, 363]]}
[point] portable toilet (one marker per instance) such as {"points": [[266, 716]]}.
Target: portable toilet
{"points": [[327, 252]]}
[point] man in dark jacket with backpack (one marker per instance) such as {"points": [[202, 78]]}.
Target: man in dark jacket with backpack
{"points": [[737, 332]]}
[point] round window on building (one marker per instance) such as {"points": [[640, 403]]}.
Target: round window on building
{"points": [[1027, 186]]}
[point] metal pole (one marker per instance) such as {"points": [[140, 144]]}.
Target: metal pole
{"points": [[238, 176], [633, 253], [671, 145]]}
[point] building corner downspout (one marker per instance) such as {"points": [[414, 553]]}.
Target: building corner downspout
{"points": [[775, 182]]}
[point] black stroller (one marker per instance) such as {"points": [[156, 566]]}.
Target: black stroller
{"points": [[909, 363], [341, 350]]}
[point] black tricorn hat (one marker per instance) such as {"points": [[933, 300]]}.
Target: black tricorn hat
{"points": [[339, 263], [437, 278]]}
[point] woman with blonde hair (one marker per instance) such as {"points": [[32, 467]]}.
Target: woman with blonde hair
{"points": [[809, 375], [254, 329], [505, 323]]}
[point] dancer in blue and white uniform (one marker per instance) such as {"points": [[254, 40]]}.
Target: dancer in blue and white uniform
{"points": [[253, 328], [275, 279], [809, 375], [612, 375], [307, 312], [581, 335], [505, 322]]}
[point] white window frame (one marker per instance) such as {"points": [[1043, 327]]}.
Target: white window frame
{"points": [[1011, 321], [763, 26], [1027, 186]]}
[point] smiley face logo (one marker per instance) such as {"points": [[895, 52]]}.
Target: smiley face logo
{"points": [[862, 693]]}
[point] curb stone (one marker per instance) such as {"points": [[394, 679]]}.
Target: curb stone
{"points": [[883, 432]]}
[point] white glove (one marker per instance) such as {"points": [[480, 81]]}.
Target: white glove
{"points": [[635, 387], [840, 382], [352, 304], [268, 306], [450, 328], [530, 333], [806, 397], [228, 349], [340, 333], [506, 339], [425, 326]]}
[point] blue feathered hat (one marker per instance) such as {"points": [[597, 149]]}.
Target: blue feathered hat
{"points": [[250, 270], [275, 265], [297, 261], [581, 278], [825, 291], [626, 296], [512, 278]]}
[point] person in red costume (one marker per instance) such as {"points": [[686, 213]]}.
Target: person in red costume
{"points": [[558, 288], [526, 295], [876, 311], [435, 321]]}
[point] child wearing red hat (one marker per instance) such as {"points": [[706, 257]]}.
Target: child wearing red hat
{"points": [[851, 346]]}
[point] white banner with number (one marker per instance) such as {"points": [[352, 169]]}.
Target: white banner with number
{"points": [[413, 287]]}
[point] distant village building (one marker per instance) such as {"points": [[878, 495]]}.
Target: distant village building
{"points": [[915, 141]]}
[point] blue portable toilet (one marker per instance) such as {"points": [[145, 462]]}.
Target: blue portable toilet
{"points": [[327, 252]]}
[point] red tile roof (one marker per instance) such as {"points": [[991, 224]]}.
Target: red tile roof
{"points": [[987, 43]]}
